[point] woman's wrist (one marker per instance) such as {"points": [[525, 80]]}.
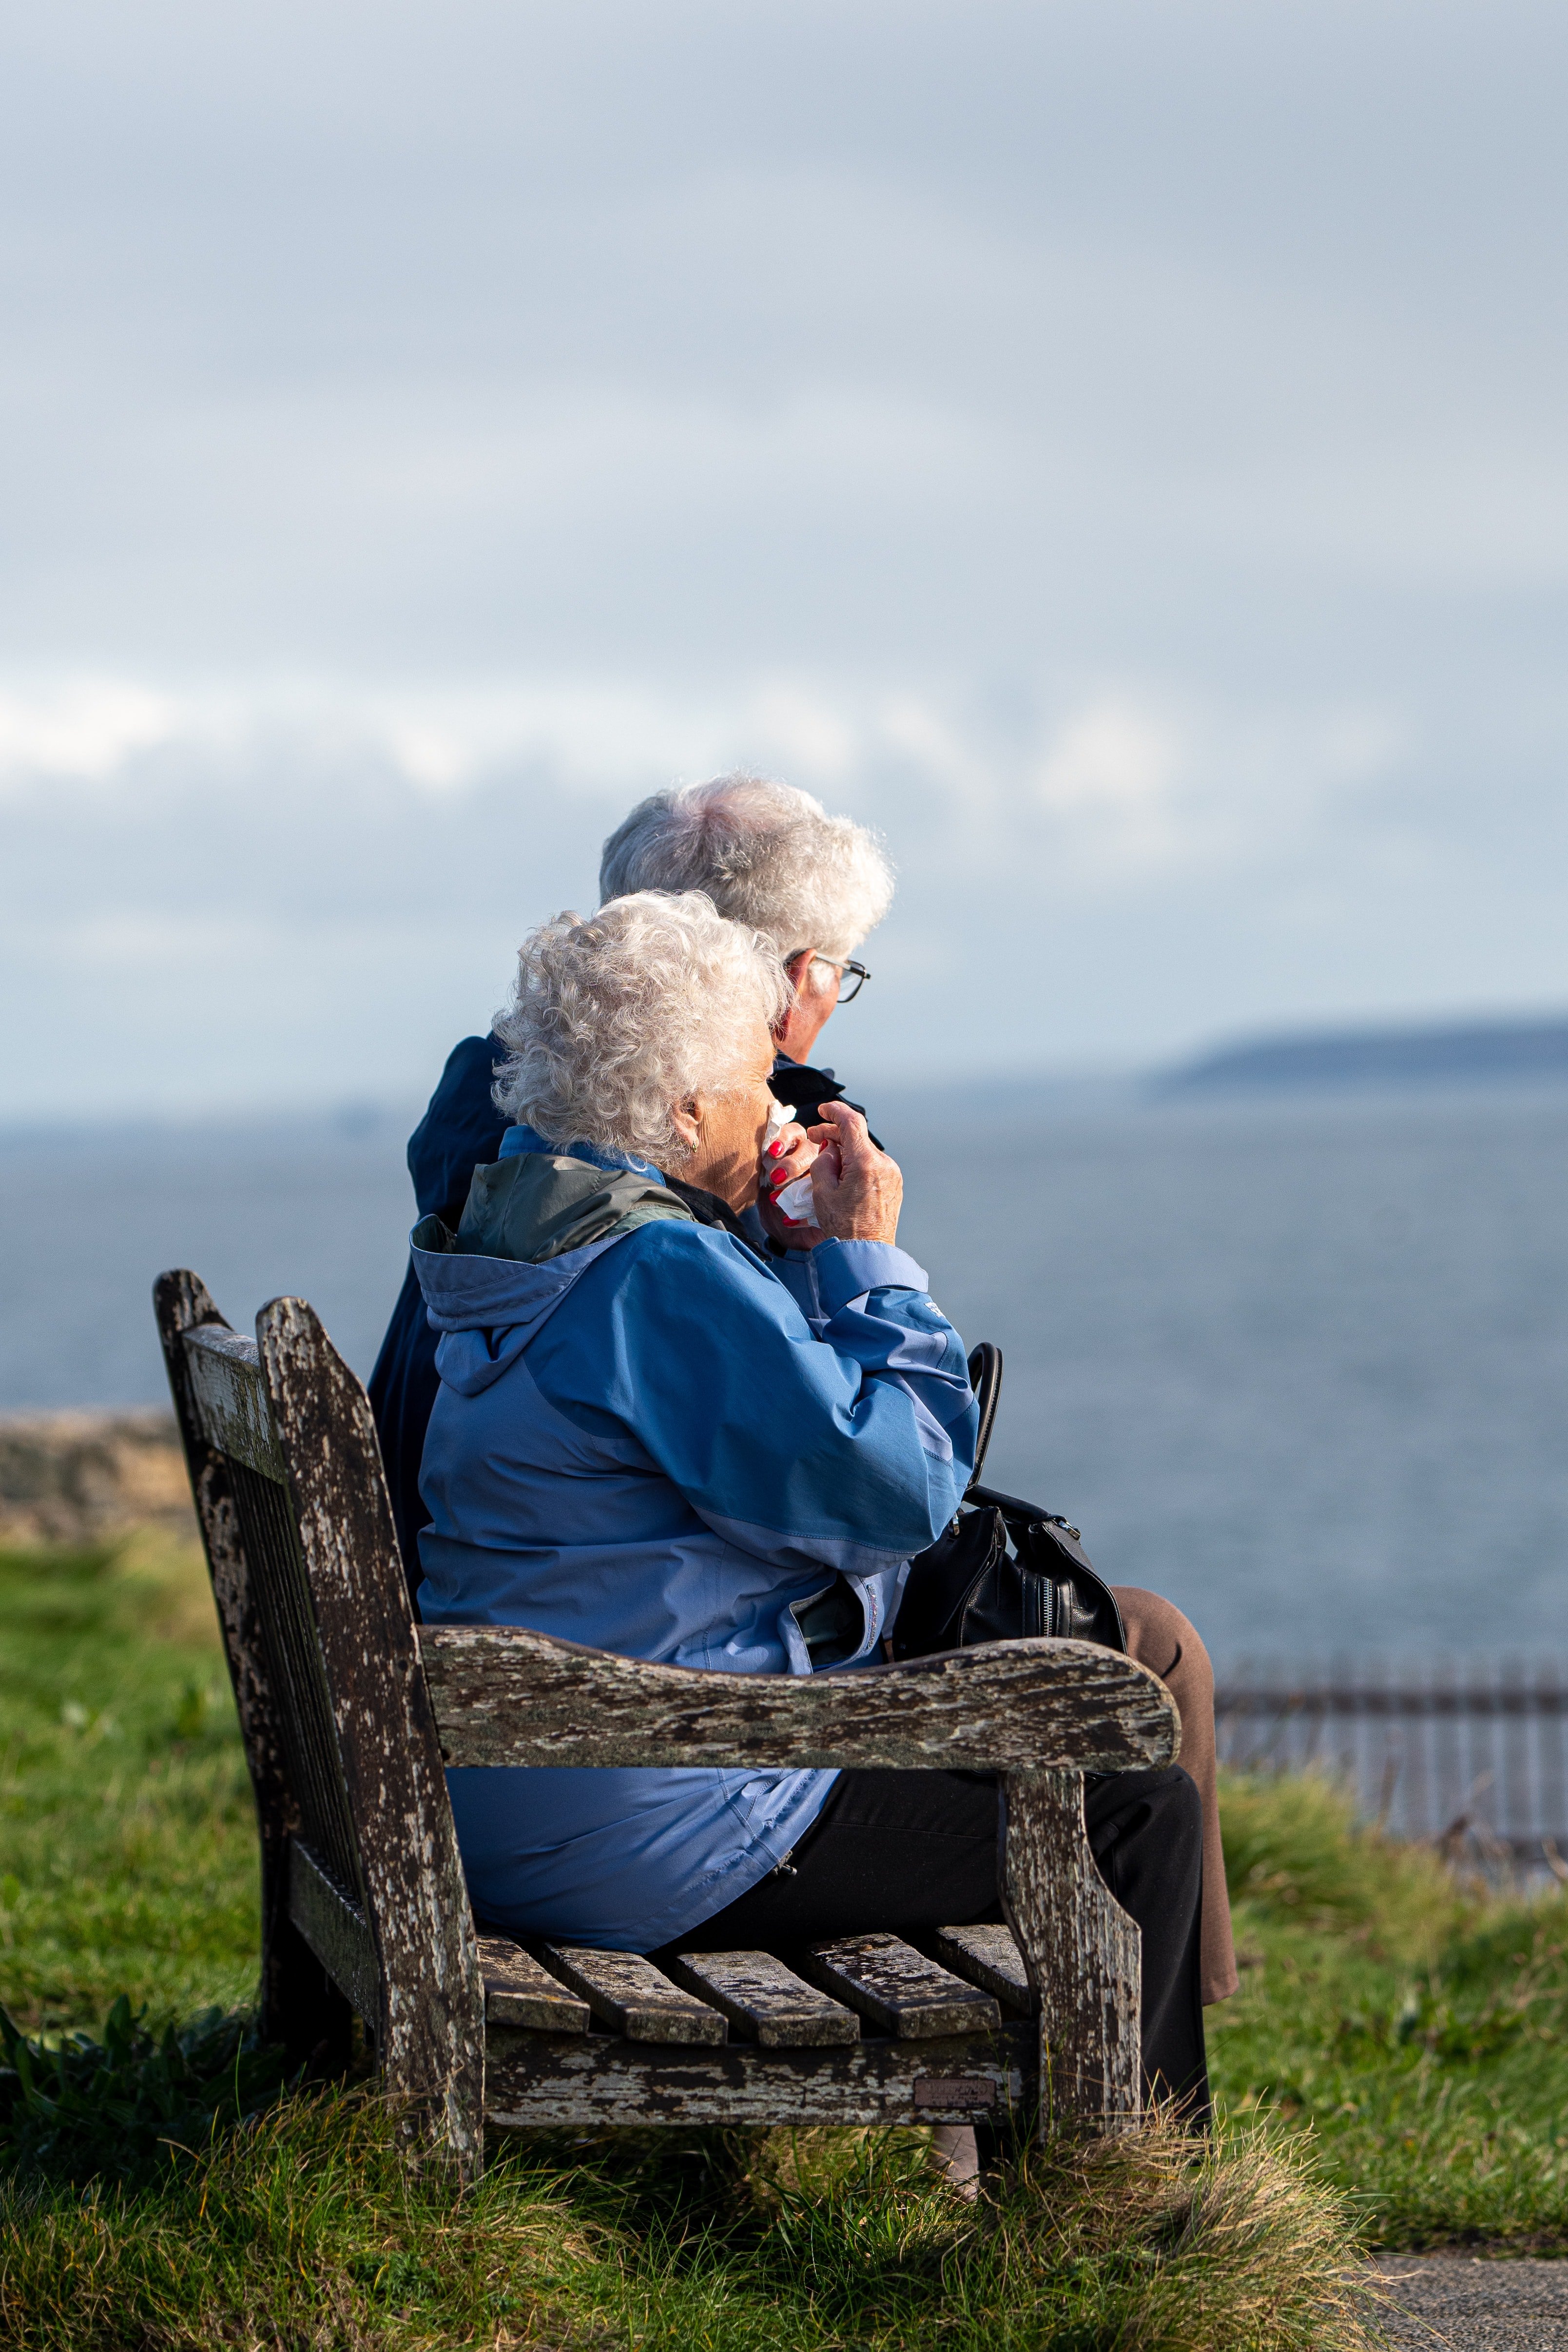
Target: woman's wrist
{"points": [[859, 1230]]}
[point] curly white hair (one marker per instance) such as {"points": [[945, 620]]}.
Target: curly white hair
{"points": [[767, 855], [618, 1018]]}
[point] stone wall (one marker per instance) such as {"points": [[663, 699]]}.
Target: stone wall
{"points": [[77, 1477]]}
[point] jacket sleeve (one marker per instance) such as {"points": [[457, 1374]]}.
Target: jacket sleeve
{"points": [[844, 1441]]}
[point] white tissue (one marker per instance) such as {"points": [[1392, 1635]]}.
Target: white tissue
{"points": [[796, 1200]]}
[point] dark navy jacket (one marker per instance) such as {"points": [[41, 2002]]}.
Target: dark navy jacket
{"points": [[462, 1131]]}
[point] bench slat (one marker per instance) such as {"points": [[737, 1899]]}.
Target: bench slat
{"points": [[506, 1695], [899, 1989], [990, 1958], [589, 2080], [631, 1995], [517, 1991], [767, 2002]]}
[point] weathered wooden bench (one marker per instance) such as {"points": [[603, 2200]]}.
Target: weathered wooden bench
{"points": [[350, 1711]]}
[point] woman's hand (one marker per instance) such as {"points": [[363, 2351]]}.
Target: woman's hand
{"points": [[857, 1189], [789, 1154]]}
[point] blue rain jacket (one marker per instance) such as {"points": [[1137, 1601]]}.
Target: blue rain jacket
{"points": [[647, 1446]]}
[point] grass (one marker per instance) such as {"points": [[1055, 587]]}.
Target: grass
{"points": [[1394, 2066], [1415, 2026], [308, 2231], [127, 1836]]}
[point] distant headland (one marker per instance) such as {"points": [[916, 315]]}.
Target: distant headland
{"points": [[1457, 1053]]}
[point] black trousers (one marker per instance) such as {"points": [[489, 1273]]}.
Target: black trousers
{"points": [[910, 1850]]}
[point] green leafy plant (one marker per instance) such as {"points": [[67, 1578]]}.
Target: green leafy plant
{"points": [[81, 2108], [194, 1712]]}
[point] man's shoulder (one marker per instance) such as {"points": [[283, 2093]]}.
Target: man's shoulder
{"points": [[473, 1053]]}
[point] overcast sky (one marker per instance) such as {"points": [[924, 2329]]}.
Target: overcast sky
{"points": [[1120, 450]]}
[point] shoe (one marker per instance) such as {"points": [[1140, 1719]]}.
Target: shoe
{"points": [[953, 2153]]}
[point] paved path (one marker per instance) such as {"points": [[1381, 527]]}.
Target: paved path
{"points": [[1477, 2306]]}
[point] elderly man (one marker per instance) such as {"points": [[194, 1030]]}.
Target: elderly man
{"points": [[768, 856]]}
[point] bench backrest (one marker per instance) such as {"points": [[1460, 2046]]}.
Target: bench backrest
{"points": [[359, 1851]]}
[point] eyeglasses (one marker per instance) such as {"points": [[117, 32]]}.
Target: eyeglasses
{"points": [[855, 974]]}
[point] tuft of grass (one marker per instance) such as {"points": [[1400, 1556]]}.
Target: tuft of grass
{"points": [[1295, 1855], [1142, 2243], [307, 2229], [1242, 2246]]}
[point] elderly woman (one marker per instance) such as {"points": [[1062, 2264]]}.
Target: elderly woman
{"points": [[641, 1442]]}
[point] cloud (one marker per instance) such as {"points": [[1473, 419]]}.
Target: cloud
{"points": [[1113, 771], [86, 729]]}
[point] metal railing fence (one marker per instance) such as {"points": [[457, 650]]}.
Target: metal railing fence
{"points": [[1439, 1749]]}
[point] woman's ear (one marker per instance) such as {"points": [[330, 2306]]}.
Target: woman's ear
{"points": [[686, 1118]]}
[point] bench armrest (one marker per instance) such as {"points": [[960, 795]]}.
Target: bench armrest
{"points": [[505, 1695]]}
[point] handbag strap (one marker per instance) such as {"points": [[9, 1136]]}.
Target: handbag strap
{"points": [[986, 1380]]}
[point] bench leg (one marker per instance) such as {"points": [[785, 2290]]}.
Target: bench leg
{"points": [[441, 2099], [1082, 1952]]}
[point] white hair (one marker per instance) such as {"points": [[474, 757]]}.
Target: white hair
{"points": [[766, 855], [617, 1019]]}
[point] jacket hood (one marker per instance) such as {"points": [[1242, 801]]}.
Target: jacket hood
{"points": [[537, 1205], [530, 1228]]}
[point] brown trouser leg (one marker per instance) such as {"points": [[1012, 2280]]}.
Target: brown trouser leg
{"points": [[1168, 1644]]}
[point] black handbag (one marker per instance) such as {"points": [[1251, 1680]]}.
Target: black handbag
{"points": [[1003, 1567]]}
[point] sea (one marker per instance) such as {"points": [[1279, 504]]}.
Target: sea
{"points": [[1299, 1362]]}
